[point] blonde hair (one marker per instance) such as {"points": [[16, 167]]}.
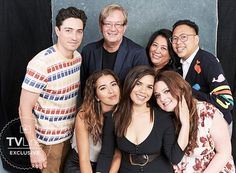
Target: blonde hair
{"points": [[110, 8]]}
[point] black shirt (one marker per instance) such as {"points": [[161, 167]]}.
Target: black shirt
{"points": [[108, 59]]}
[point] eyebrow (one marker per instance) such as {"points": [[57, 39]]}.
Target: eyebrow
{"points": [[105, 84], [73, 28], [162, 90], [159, 44]]}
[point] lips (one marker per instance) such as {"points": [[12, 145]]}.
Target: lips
{"points": [[113, 97], [156, 56], [140, 97], [166, 103], [180, 49]]}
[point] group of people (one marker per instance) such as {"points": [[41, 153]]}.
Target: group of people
{"points": [[166, 109]]}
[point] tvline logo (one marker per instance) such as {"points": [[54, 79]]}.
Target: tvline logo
{"points": [[14, 147]]}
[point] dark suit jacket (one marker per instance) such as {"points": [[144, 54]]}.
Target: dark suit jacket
{"points": [[129, 55], [208, 82]]}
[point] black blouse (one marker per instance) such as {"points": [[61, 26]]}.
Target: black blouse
{"points": [[162, 139]]}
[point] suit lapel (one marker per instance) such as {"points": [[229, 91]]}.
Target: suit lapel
{"points": [[121, 55], [98, 57], [194, 69]]}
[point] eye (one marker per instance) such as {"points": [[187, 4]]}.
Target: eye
{"points": [[80, 31], [183, 37], [118, 25], [166, 91], [138, 83], [107, 24], [157, 96], [154, 45], [102, 88], [150, 87], [114, 84], [163, 48], [174, 39]]}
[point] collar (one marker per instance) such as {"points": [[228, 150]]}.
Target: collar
{"points": [[190, 59]]}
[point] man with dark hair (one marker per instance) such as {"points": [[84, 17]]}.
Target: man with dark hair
{"points": [[49, 94], [201, 69]]}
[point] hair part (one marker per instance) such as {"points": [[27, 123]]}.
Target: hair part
{"points": [[188, 23], [70, 12]]}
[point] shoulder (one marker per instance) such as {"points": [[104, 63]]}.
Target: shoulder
{"points": [[92, 45], [161, 115], [42, 60], [206, 57], [43, 55], [205, 110], [128, 42]]}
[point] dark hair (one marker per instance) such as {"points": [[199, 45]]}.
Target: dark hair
{"points": [[69, 12], [91, 108], [186, 22], [174, 59], [178, 87], [122, 115]]}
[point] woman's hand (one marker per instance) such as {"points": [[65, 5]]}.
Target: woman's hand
{"points": [[183, 112]]}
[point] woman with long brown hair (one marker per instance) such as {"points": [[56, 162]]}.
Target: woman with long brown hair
{"points": [[209, 147], [101, 94]]}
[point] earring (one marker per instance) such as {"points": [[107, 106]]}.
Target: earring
{"points": [[97, 99]]}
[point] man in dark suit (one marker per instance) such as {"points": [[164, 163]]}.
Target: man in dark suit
{"points": [[114, 51], [201, 69]]}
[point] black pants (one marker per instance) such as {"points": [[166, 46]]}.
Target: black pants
{"points": [[72, 163]]}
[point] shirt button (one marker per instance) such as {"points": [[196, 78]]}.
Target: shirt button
{"points": [[141, 169]]}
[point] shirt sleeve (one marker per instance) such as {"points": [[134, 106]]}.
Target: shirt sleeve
{"points": [[220, 93], [108, 145], [171, 147], [36, 76]]}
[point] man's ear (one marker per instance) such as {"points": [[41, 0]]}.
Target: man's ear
{"points": [[197, 39], [57, 30]]}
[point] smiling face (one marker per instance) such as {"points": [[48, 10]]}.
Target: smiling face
{"points": [[184, 49], [107, 92], [113, 27], [159, 53], [70, 35], [142, 90], [163, 97]]}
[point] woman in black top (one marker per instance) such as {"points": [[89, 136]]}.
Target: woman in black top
{"points": [[144, 135]]}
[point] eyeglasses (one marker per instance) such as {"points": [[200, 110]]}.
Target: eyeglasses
{"points": [[182, 37], [110, 25]]}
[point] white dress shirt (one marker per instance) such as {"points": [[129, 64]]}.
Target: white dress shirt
{"points": [[186, 63]]}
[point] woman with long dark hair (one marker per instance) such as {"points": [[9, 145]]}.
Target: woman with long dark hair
{"points": [[209, 147]]}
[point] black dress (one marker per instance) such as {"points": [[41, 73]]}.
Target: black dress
{"points": [[162, 139]]}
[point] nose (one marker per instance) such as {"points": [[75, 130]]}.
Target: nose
{"points": [[113, 27], [143, 88], [110, 90], [161, 97], [158, 49], [74, 36], [178, 40]]}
